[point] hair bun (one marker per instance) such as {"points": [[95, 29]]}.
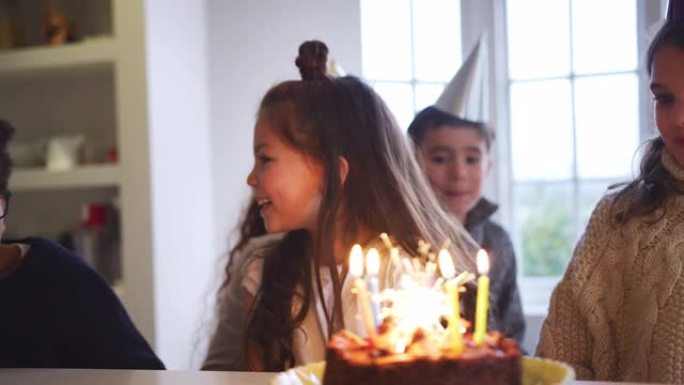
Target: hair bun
{"points": [[312, 60]]}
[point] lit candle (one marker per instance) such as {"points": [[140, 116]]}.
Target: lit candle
{"points": [[482, 298], [372, 268], [363, 304], [446, 267], [395, 258]]}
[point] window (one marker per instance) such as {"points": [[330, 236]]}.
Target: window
{"points": [[567, 83], [577, 115], [410, 50], [572, 89]]}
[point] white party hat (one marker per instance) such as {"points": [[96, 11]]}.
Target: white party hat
{"points": [[466, 95]]}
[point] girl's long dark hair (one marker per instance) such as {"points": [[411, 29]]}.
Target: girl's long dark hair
{"points": [[654, 184], [272, 323], [330, 119], [251, 226]]}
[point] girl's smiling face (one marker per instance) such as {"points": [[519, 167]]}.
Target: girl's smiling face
{"points": [[286, 183], [457, 162], [667, 86]]}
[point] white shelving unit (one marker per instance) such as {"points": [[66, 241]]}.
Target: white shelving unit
{"points": [[143, 89], [52, 91], [89, 176], [73, 89], [76, 57]]}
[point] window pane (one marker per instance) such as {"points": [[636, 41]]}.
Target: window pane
{"points": [[541, 130], [427, 94], [386, 43], [399, 99], [606, 111], [437, 39], [598, 47], [538, 38], [590, 192], [544, 227]]}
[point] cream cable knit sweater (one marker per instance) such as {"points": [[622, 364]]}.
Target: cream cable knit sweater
{"points": [[618, 312]]}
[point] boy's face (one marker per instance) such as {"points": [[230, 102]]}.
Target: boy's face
{"points": [[457, 162]]}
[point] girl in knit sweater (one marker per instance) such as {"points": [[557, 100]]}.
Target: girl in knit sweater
{"points": [[617, 313]]}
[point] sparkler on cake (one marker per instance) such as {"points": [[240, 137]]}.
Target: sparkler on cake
{"points": [[414, 330], [425, 300]]}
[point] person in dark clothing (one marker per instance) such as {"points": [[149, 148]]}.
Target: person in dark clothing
{"points": [[455, 155], [55, 310]]}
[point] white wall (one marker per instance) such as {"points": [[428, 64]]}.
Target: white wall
{"points": [[180, 171], [252, 46]]}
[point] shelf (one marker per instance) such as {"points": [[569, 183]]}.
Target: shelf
{"points": [[81, 177], [90, 54]]}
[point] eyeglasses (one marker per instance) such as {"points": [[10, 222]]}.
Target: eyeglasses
{"points": [[5, 196]]}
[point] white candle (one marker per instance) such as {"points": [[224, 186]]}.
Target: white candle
{"points": [[372, 268], [363, 304]]}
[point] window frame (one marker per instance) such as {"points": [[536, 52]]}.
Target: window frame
{"points": [[413, 81], [491, 15]]}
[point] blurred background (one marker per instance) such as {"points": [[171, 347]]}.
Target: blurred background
{"points": [[135, 122]]}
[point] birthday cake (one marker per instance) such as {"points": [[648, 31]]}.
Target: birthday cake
{"points": [[418, 337], [350, 360]]}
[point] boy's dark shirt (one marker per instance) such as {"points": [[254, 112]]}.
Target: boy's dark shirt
{"points": [[57, 312], [506, 309]]}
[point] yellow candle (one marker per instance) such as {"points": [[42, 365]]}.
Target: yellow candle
{"points": [[362, 301], [446, 267], [482, 298]]}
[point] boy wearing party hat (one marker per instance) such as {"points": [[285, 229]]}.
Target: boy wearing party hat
{"points": [[453, 144]]}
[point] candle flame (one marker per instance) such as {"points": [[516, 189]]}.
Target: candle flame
{"points": [[400, 347], [446, 264], [482, 262], [372, 262], [421, 298], [356, 261]]}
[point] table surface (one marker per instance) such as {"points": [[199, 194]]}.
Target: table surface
{"points": [[145, 377]]}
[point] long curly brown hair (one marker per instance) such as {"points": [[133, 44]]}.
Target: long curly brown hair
{"points": [[654, 184], [251, 226], [385, 191]]}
